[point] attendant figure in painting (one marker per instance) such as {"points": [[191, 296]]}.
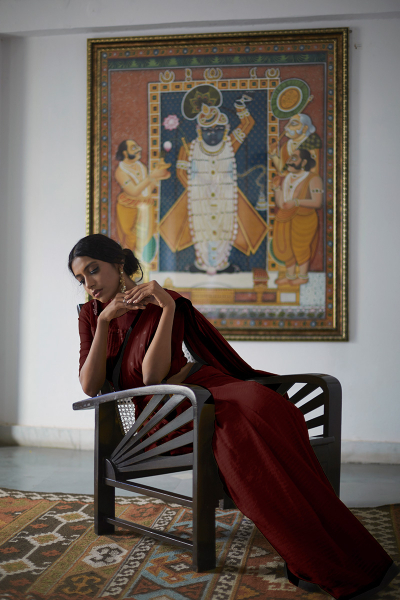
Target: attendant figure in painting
{"points": [[302, 134], [135, 218], [295, 232], [213, 213]]}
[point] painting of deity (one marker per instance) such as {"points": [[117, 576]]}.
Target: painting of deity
{"points": [[221, 162]]}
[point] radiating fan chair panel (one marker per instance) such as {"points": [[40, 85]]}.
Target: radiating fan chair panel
{"points": [[147, 449]]}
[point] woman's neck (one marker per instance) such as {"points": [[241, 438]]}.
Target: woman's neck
{"points": [[129, 283]]}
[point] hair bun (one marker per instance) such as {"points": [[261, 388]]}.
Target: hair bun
{"points": [[132, 264]]}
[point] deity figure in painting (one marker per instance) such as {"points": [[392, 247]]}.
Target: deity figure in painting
{"points": [[212, 214]]}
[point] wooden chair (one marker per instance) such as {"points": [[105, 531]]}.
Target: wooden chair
{"points": [[121, 455], [121, 442]]}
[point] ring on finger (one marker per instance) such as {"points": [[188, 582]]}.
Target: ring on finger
{"points": [[124, 300]]}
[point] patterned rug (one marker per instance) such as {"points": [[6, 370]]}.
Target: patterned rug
{"points": [[48, 550]]}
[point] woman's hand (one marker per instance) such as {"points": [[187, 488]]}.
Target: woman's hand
{"points": [[146, 293], [118, 307]]}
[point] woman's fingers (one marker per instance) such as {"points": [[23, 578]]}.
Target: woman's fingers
{"points": [[129, 293], [145, 293], [144, 296], [152, 291], [119, 306], [140, 303], [121, 300], [138, 292]]}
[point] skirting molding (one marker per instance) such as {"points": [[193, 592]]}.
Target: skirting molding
{"points": [[360, 451], [82, 439], [46, 437]]}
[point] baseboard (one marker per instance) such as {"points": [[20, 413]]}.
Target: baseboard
{"points": [[46, 437], [82, 439], [370, 452]]}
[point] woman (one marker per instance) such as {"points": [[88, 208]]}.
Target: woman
{"points": [[285, 492]]}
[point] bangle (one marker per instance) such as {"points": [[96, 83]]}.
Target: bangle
{"points": [[295, 200]]}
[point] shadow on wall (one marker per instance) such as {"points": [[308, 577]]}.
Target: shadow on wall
{"points": [[13, 104]]}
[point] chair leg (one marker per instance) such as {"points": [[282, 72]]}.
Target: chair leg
{"points": [[106, 436], [104, 506], [329, 459], [204, 551], [205, 493], [335, 468]]}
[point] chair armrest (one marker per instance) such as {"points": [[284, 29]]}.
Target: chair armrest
{"points": [[192, 393], [319, 379]]}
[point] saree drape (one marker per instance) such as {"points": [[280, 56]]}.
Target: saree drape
{"points": [[262, 449]]}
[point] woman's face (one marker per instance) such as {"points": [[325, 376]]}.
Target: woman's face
{"points": [[100, 279]]}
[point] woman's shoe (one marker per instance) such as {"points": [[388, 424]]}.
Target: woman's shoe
{"points": [[300, 583]]}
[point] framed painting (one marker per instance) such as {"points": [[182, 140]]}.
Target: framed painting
{"points": [[221, 161]]}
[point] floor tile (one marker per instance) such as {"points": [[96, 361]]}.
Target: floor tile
{"points": [[71, 471]]}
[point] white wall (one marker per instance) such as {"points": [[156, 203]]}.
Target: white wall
{"points": [[42, 154]]}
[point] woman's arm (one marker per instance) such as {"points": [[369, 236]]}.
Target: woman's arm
{"points": [[157, 360], [93, 371]]}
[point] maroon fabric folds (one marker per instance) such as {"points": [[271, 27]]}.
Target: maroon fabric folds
{"points": [[209, 344], [262, 449], [269, 468]]}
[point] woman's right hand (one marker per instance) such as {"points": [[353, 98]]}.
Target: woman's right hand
{"points": [[117, 307]]}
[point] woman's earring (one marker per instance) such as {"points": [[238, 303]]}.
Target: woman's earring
{"points": [[122, 280]]}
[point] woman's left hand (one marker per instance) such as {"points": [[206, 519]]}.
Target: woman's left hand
{"points": [[150, 292]]}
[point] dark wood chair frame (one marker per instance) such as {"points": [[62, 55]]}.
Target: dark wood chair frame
{"points": [[121, 456]]}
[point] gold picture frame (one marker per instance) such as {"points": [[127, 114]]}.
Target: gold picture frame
{"points": [[222, 161]]}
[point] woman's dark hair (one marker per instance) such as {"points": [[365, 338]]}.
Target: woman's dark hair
{"points": [[104, 248]]}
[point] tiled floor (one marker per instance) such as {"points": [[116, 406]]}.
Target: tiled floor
{"points": [[71, 471]]}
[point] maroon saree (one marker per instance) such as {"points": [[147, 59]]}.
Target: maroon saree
{"points": [[262, 449]]}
